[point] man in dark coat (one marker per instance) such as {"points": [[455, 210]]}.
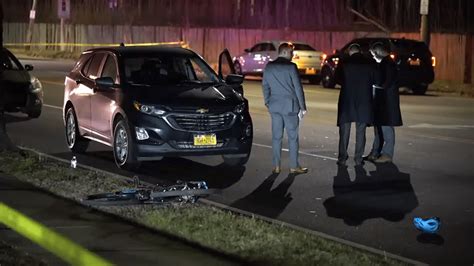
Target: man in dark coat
{"points": [[387, 113], [356, 76]]}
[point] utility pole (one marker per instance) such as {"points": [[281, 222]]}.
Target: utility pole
{"points": [[29, 33], [64, 11], [424, 28]]}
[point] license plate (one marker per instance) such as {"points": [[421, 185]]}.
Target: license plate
{"points": [[310, 71], [205, 140], [415, 62]]}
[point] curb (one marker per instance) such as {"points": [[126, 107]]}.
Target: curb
{"points": [[248, 214]]}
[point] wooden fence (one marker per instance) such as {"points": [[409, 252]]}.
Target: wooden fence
{"points": [[452, 51]]}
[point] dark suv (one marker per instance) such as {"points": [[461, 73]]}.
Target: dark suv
{"points": [[21, 91], [413, 58], [150, 102]]}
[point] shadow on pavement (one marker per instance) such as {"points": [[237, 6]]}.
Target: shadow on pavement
{"points": [[18, 117], [165, 171], [267, 201], [387, 193], [434, 239]]}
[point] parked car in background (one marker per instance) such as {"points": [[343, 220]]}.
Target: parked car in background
{"points": [[21, 91], [415, 63], [154, 101], [254, 59]]}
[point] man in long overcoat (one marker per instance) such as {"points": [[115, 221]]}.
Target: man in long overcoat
{"points": [[387, 114], [355, 74]]}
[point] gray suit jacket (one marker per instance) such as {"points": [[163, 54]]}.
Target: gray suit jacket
{"points": [[282, 90]]}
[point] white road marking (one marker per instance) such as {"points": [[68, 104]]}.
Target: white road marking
{"points": [[52, 106], [431, 126]]}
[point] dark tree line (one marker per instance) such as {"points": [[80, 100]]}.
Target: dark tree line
{"points": [[454, 16]]}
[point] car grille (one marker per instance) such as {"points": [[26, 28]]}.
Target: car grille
{"points": [[202, 122]]}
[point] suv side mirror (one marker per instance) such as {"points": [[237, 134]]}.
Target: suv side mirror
{"points": [[247, 50], [233, 79], [28, 67], [104, 82]]}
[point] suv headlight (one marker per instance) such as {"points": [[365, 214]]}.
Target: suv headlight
{"points": [[239, 109], [148, 109], [35, 86]]}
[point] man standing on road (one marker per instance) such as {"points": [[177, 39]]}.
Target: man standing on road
{"points": [[284, 98], [356, 76], [386, 106]]}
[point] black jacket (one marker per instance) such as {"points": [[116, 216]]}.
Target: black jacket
{"points": [[356, 75], [387, 100]]}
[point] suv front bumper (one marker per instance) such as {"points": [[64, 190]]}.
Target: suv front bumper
{"points": [[165, 140]]}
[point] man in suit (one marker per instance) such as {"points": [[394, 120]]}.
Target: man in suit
{"points": [[387, 114], [284, 98], [356, 74]]}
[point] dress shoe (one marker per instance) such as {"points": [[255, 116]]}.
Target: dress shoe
{"points": [[298, 170], [384, 159], [371, 157], [276, 170]]}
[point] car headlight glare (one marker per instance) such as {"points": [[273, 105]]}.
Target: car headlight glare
{"points": [[148, 109], [35, 85]]}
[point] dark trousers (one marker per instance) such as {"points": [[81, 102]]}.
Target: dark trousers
{"points": [[344, 134]]}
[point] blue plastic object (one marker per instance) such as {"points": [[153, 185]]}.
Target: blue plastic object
{"points": [[429, 225]]}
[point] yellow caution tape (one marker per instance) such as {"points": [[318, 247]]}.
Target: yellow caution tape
{"points": [[62, 247]]}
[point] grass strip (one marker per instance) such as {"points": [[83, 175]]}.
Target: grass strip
{"points": [[251, 239]]}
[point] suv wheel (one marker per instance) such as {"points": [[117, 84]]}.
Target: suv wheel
{"points": [[420, 89], [34, 113], [327, 78], [314, 80], [235, 161], [74, 141], [238, 68], [124, 147]]}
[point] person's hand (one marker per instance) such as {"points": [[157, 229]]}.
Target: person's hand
{"points": [[301, 114]]}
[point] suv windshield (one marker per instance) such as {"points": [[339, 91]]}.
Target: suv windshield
{"points": [[167, 69]]}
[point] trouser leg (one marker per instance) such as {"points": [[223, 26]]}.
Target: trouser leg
{"points": [[277, 136], [344, 133], [360, 142], [292, 127], [389, 138], [378, 141]]}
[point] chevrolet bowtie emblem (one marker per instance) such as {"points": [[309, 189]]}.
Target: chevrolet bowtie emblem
{"points": [[202, 110]]}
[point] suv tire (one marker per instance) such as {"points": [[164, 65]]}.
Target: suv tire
{"points": [[327, 78], [420, 89], [124, 147], [34, 113], [74, 140]]}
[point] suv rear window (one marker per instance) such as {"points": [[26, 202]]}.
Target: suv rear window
{"points": [[407, 47], [303, 47]]}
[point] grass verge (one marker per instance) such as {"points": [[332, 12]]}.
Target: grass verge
{"points": [[252, 239]]}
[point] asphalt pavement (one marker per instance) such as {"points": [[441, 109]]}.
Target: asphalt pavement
{"points": [[373, 205]]}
